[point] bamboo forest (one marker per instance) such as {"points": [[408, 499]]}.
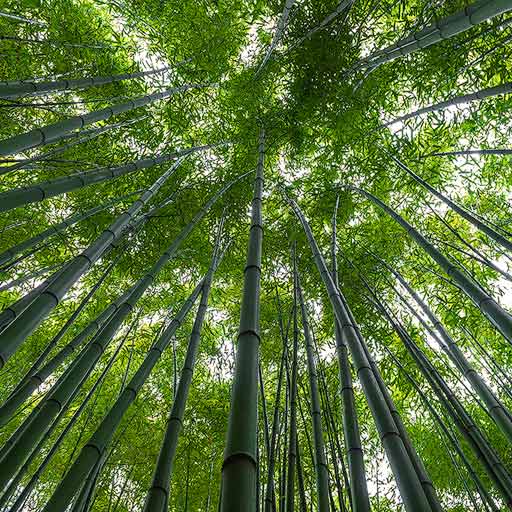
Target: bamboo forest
{"points": [[255, 255]]}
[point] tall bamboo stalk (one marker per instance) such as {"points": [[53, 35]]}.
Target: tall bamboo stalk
{"points": [[157, 498], [440, 30], [87, 135], [482, 94], [54, 132], [270, 495], [240, 457], [482, 226], [51, 188], [98, 443], [494, 406], [281, 25], [479, 444], [16, 333], [500, 318], [292, 440], [407, 479], [55, 229], [35, 426], [39, 375], [358, 486], [29, 88], [321, 471]]}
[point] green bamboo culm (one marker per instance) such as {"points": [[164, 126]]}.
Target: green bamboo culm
{"points": [[98, 443], [489, 92], [292, 439], [409, 485], [20, 500], [495, 407], [240, 458], [500, 318], [358, 486], [54, 132], [37, 423], [28, 88], [483, 451], [55, 229], [440, 30], [14, 335], [87, 135], [157, 498], [465, 214], [46, 189], [423, 476], [39, 375], [321, 470]]}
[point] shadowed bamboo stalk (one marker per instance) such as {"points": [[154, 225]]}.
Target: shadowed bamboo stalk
{"points": [[28, 88], [340, 8], [482, 226], [478, 443], [240, 457], [482, 491], [46, 189], [464, 152], [35, 378], [88, 135], [500, 318], [270, 495], [16, 333], [99, 441], [157, 497], [54, 132], [358, 486], [281, 26], [407, 479], [480, 446], [440, 30], [494, 406], [55, 229], [292, 440], [321, 470], [35, 426], [490, 92], [33, 480]]}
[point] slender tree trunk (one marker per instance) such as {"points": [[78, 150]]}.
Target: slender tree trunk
{"points": [[465, 152], [340, 8], [240, 457], [494, 407], [482, 226], [408, 483], [17, 332], [54, 132], [157, 498], [88, 135], [35, 426], [500, 318], [358, 487], [321, 470], [292, 441], [490, 92], [485, 496], [281, 25], [483, 451], [32, 381], [46, 189], [442, 29], [98, 443], [36, 88], [55, 229]]}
